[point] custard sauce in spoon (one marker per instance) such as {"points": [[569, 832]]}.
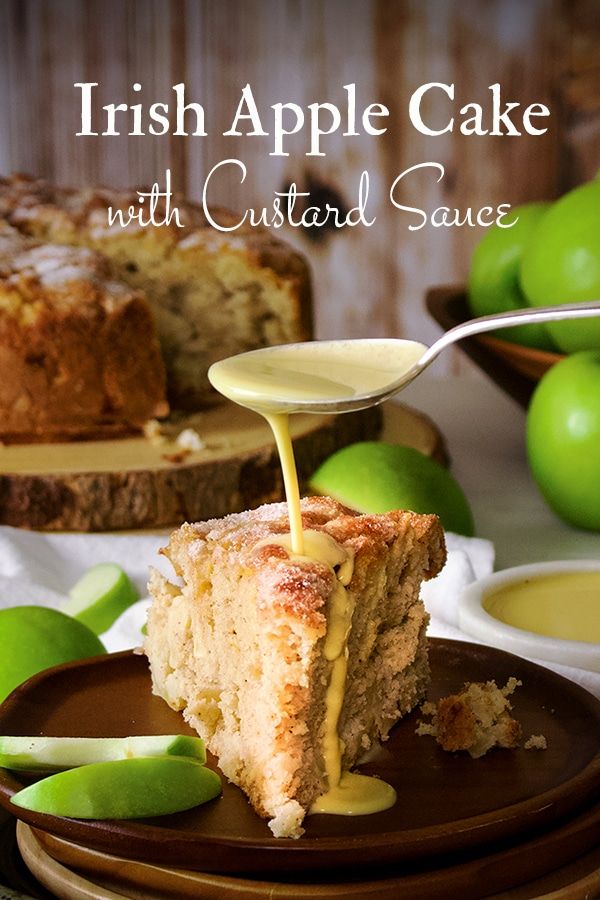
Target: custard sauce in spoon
{"points": [[339, 376], [315, 376]]}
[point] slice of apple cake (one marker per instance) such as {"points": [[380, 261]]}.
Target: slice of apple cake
{"points": [[240, 645]]}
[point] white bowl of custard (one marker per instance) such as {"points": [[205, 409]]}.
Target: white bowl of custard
{"points": [[549, 611]]}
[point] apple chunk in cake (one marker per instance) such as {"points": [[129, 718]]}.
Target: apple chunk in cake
{"points": [[238, 646]]}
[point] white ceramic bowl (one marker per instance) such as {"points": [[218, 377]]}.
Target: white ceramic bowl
{"points": [[476, 621]]}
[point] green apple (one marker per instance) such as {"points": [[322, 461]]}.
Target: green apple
{"points": [[494, 276], [375, 477], [563, 438], [561, 264], [53, 754], [100, 597], [123, 789], [33, 638]]}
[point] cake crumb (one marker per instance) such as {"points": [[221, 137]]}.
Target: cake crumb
{"points": [[536, 742], [476, 719], [153, 432], [177, 457], [189, 439]]}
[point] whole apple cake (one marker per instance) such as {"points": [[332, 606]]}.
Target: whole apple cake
{"points": [[238, 644], [213, 294]]}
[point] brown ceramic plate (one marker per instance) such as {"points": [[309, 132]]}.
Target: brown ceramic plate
{"points": [[564, 860], [58, 878], [514, 368], [448, 803]]}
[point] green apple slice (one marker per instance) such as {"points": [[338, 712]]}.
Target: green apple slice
{"points": [[123, 789], [53, 754], [100, 597]]}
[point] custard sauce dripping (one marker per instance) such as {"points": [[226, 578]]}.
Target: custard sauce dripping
{"points": [[348, 793], [280, 427]]}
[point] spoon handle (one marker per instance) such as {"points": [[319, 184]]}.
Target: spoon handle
{"points": [[588, 309]]}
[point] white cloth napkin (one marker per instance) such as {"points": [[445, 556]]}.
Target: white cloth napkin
{"points": [[37, 568]]}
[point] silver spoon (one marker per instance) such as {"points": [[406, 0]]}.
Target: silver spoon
{"points": [[341, 376]]}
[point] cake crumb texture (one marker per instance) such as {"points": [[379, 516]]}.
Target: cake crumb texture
{"points": [[536, 742], [476, 719], [237, 643]]}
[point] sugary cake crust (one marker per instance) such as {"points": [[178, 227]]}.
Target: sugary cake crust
{"points": [[213, 294], [301, 591], [238, 646], [79, 355]]}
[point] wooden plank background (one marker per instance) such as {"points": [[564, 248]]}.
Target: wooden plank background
{"points": [[368, 281]]}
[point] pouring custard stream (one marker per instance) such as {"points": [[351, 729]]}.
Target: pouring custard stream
{"points": [[274, 380], [264, 381]]}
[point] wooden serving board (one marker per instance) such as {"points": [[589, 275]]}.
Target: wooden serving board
{"points": [[136, 483]]}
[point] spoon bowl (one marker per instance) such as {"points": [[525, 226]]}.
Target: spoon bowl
{"points": [[346, 375]]}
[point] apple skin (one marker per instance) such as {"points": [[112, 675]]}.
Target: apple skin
{"points": [[33, 638], [561, 264], [494, 274], [53, 754], [376, 477], [125, 789], [563, 438]]}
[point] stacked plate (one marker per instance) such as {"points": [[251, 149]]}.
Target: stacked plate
{"points": [[461, 827]]}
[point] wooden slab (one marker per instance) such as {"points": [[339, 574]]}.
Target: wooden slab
{"points": [[136, 483], [404, 425]]}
